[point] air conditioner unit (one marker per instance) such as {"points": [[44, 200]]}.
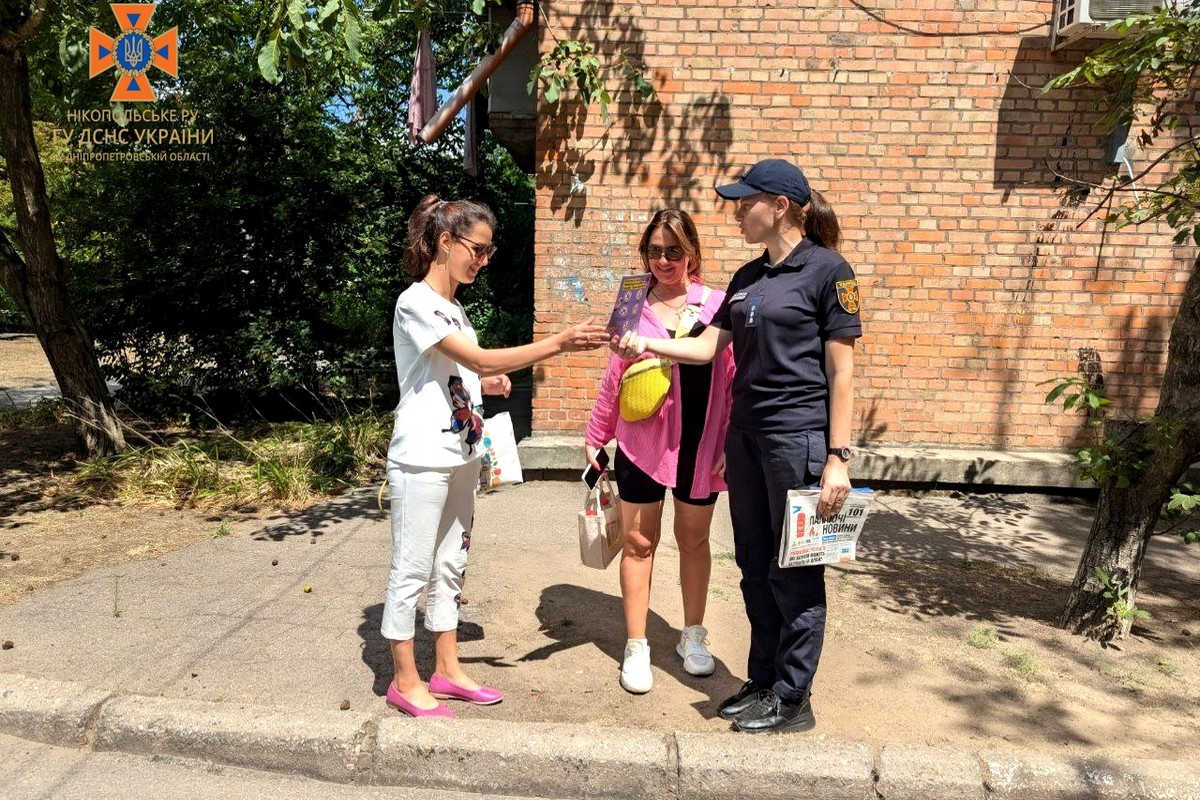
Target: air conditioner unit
{"points": [[1086, 19]]}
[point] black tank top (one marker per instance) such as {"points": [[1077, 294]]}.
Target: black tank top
{"points": [[695, 382]]}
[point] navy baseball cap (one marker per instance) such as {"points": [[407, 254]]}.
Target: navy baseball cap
{"points": [[773, 176]]}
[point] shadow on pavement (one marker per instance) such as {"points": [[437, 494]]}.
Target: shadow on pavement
{"points": [[1009, 532], [29, 458], [574, 616], [377, 653], [322, 519]]}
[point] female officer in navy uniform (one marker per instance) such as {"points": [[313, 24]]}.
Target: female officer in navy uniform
{"points": [[792, 315]]}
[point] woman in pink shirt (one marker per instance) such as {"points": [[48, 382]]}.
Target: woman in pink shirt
{"points": [[680, 446]]}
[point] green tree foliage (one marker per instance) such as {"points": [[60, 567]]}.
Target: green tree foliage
{"points": [[274, 265], [31, 271], [574, 64], [1149, 77]]}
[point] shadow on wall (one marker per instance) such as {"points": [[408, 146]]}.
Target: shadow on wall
{"points": [[1052, 140], [689, 138], [1051, 148], [872, 427], [1140, 352], [1047, 139]]}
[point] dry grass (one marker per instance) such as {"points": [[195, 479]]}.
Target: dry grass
{"points": [[288, 465]]}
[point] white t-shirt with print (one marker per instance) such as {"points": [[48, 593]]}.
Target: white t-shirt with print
{"points": [[423, 434]]}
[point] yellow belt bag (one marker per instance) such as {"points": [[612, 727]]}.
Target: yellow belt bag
{"points": [[644, 387], [645, 384]]}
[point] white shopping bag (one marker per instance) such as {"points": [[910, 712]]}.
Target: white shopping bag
{"points": [[500, 464], [600, 536]]}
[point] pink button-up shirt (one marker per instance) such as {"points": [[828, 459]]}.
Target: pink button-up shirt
{"points": [[652, 444]]}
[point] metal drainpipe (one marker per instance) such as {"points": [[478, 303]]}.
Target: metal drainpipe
{"points": [[520, 26]]}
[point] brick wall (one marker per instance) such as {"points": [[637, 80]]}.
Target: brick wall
{"points": [[984, 270]]}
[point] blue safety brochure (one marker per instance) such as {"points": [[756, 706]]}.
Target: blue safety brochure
{"points": [[627, 310], [809, 540]]}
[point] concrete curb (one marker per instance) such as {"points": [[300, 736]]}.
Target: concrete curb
{"points": [[1039, 778], [531, 759], [554, 760], [927, 466], [729, 766], [320, 745], [49, 711], [909, 772]]}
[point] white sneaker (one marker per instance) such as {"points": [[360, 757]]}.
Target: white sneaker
{"points": [[635, 670], [691, 648]]}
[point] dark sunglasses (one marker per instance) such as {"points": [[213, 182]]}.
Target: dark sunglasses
{"points": [[480, 250], [654, 252]]}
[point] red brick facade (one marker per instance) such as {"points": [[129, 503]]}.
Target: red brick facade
{"points": [[982, 274]]}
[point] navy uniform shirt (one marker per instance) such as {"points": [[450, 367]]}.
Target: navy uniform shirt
{"points": [[781, 316]]}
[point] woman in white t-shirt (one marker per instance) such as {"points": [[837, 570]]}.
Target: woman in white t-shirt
{"points": [[433, 466]]}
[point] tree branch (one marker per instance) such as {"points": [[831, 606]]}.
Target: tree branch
{"points": [[1191, 128], [1163, 157], [13, 39], [12, 270], [1110, 191], [1170, 530]]}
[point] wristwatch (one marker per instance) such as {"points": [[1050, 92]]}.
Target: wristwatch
{"points": [[841, 452]]}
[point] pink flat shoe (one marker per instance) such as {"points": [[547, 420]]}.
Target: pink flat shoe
{"points": [[397, 701], [443, 689]]}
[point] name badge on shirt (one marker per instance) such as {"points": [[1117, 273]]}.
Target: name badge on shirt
{"points": [[738, 296], [753, 310]]}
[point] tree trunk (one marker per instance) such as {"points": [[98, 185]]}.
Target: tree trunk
{"points": [[1125, 518], [39, 282]]}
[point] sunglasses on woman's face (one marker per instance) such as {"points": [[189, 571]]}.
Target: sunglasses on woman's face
{"points": [[654, 252], [477, 249]]}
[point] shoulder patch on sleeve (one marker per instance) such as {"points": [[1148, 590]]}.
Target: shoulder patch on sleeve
{"points": [[847, 294]]}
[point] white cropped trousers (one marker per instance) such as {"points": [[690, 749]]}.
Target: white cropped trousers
{"points": [[432, 512]]}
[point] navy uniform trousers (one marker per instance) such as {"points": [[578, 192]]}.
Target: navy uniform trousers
{"points": [[786, 607]]}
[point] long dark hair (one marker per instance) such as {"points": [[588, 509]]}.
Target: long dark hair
{"points": [[817, 219], [430, 219], [821, 223], [679, 223]]}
